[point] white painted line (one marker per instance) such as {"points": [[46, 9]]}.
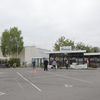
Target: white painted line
{"points": [[77, 79], [1, 93], [66, 85], [63, 76], [29, 82]]}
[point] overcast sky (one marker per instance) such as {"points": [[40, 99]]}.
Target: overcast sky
{"points": [[42, 22]]}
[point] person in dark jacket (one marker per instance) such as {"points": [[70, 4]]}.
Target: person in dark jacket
{"points": [[66, 64], [33, 63], [34, 67], [45, 65]]}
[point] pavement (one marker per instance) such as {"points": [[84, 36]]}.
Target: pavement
{"points": [[59, 84]]}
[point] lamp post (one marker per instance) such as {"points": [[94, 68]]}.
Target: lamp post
{"points": [[16, 46]]}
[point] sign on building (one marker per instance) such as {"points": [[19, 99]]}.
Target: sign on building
{"points": [[65, 48]]}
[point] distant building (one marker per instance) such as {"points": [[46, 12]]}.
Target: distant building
{"points": [[75, 58], [93, 58], [30, 53]]}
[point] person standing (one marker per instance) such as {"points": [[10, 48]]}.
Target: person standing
{"points": [[34, 69], [45, 65], [33, 63], [66, 64], [54, 64], [87, 62]]}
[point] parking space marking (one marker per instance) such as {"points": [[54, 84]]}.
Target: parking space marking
{"points": [[73, 78], [29, 82], [67, 85], [1, 93]]}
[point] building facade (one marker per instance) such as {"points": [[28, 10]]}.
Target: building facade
{"points": [[30, 53]]}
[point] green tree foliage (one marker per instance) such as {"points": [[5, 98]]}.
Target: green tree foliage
{"points": [[82, 46], [62, 41], [88, 49], [5, 43], [95, 49], [11, 42]]}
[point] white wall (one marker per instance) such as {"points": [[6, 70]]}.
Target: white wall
{"points": [[29, 52], [32, 52], [22, 56]]}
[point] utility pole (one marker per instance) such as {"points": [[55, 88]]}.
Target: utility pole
{"points": [[16, 46]]}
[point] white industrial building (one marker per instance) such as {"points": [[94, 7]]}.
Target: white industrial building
{"points": [[30, 53]]}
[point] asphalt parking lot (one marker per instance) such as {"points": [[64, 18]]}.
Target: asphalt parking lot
{"points": [[60, 84]]}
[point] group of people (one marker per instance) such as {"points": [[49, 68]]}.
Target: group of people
{"points": [[53, 64], [45, 64]]}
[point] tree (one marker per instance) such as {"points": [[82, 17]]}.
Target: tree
{"points": [[88, 49], [62, 41], [5, 43], [82, 46], [11, 42], [95, 49]]}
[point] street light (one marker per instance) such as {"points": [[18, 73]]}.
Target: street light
{"points": [[17, 49], [16, 46]]}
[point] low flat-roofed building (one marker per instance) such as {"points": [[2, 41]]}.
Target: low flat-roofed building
{"points": [[75, 58], [28, 54], [93, 58]]}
